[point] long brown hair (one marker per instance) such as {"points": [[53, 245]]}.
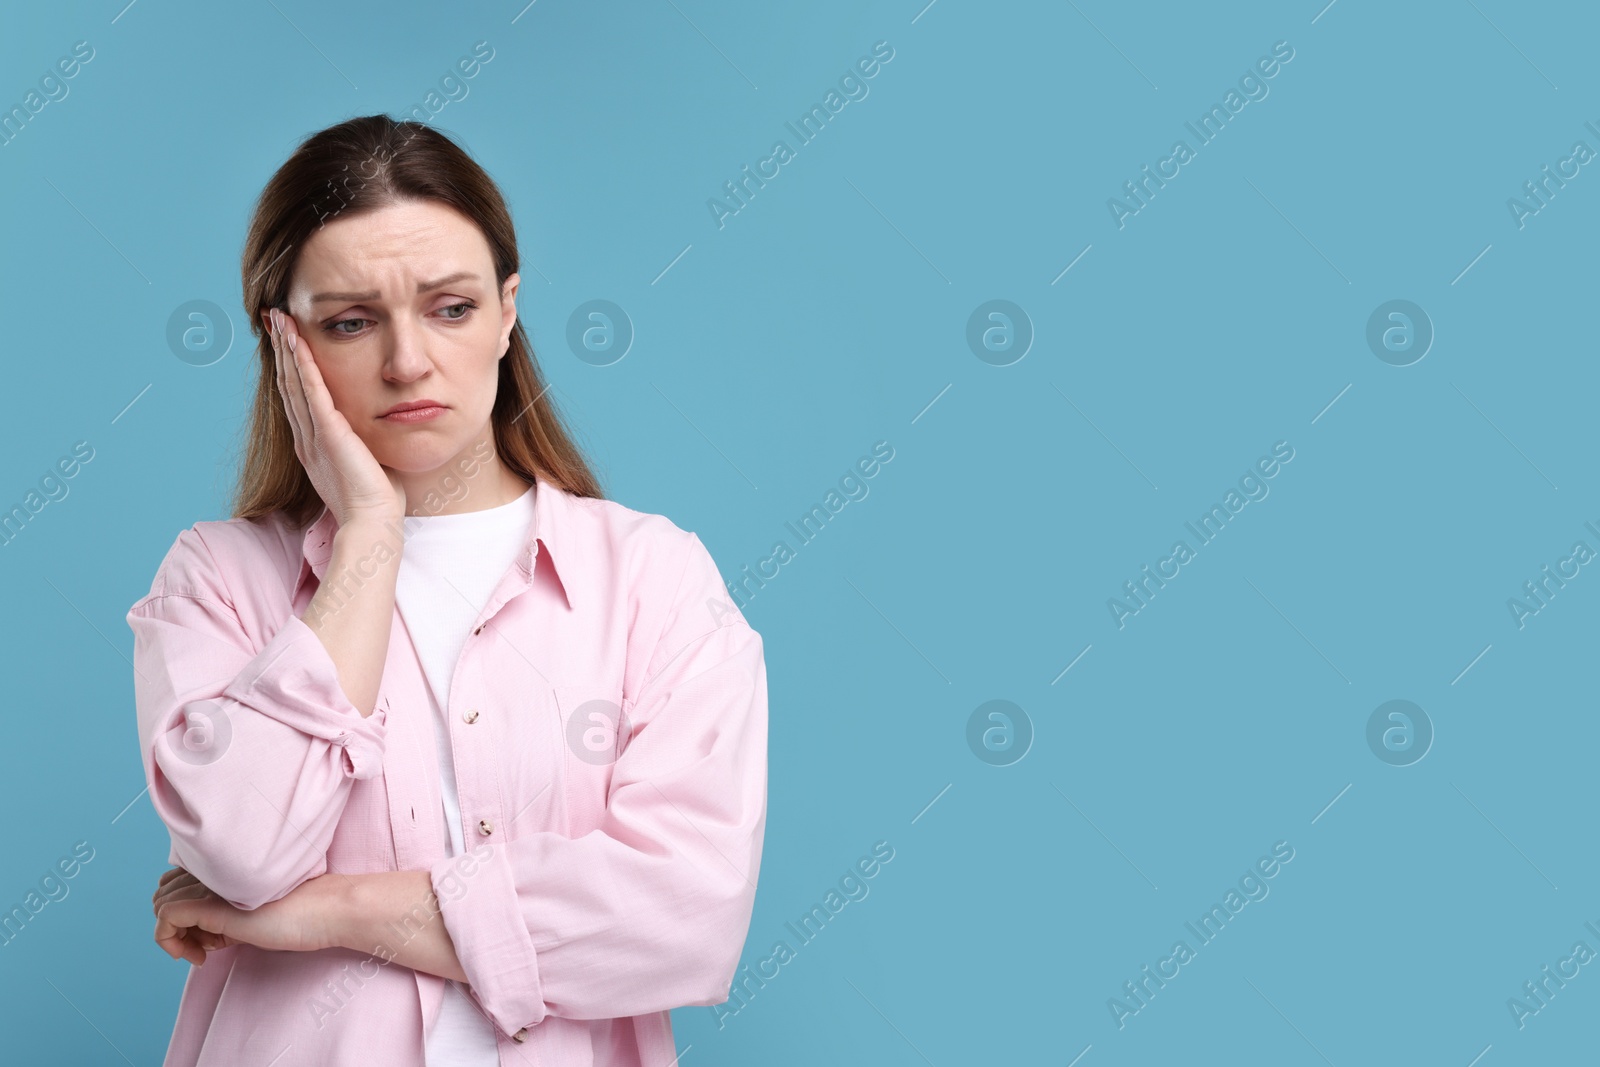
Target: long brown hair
{"points": [[354, 167]]}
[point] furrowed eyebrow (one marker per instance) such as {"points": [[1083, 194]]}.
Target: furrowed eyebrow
{"points": [[422, 287]]}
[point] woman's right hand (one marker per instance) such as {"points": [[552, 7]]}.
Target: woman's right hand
{"points": [[343, 470]]}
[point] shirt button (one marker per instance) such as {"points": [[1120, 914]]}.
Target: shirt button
{"points": [[520, 1035], [485, 827], [471, 716]]}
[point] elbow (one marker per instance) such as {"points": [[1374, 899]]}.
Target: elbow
{"points": [[235, 860], [712, 982], [716, 983], [247, 847], [242, 874], [723, 909], [710, 960]]}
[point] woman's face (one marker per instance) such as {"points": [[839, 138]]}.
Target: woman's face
{"points": [[383, 300]]}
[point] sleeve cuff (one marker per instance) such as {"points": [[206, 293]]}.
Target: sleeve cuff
{"points": [[294, 680], [478, 898]]}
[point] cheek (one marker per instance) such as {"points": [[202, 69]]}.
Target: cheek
{"points": [[486, 369], [342, 392], [351, 396]]}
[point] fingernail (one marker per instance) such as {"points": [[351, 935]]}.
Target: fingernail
{"points": [[273, 315]]}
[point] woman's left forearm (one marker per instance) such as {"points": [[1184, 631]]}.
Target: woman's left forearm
{"points": [[395, 916]]}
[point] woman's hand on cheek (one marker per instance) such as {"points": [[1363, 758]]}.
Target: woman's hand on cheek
{"points": [[191, 920]]}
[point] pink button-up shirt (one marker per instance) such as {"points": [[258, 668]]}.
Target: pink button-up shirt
{"points": [[609, 722]]}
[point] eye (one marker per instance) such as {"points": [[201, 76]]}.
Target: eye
{"points": [[333, 328], [463, 311]]}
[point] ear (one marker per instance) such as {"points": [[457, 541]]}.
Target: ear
{"points": [[508, 311]]}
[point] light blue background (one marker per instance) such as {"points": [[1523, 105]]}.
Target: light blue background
{"points": [[830, 313]]}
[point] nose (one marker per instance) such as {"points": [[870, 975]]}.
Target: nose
{"points": [[406, 357]]}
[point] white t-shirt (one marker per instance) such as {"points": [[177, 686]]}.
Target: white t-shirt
{"points": [[449, 568]]}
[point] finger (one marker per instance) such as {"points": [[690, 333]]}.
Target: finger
{"points": [[164, 891], [172, 880], [174, 944], [193, 952], [185, 912], [277, 363], [164, 934], [191, 891], [312, 392], [290, 348], [280, 362], [294, 403], [195, 922], [170, 876]]}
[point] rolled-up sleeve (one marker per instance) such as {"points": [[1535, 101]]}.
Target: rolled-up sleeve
{"points": [[650, 910], [249, 752]]}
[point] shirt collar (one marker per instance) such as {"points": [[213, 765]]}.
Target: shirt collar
{"points": [[551, 528]]}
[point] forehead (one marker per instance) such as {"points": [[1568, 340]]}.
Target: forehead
{"points": [[391, 245]]}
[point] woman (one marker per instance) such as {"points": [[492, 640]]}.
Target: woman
{"points": [[461, 762]]}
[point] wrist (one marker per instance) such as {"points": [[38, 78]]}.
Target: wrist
{"points": [[367, 536], [346, 911], [371, 910]]}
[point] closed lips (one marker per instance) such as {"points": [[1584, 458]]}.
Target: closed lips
{"points": [[414, 405]]}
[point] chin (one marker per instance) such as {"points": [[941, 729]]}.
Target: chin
{"points": [[420, 458]]}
